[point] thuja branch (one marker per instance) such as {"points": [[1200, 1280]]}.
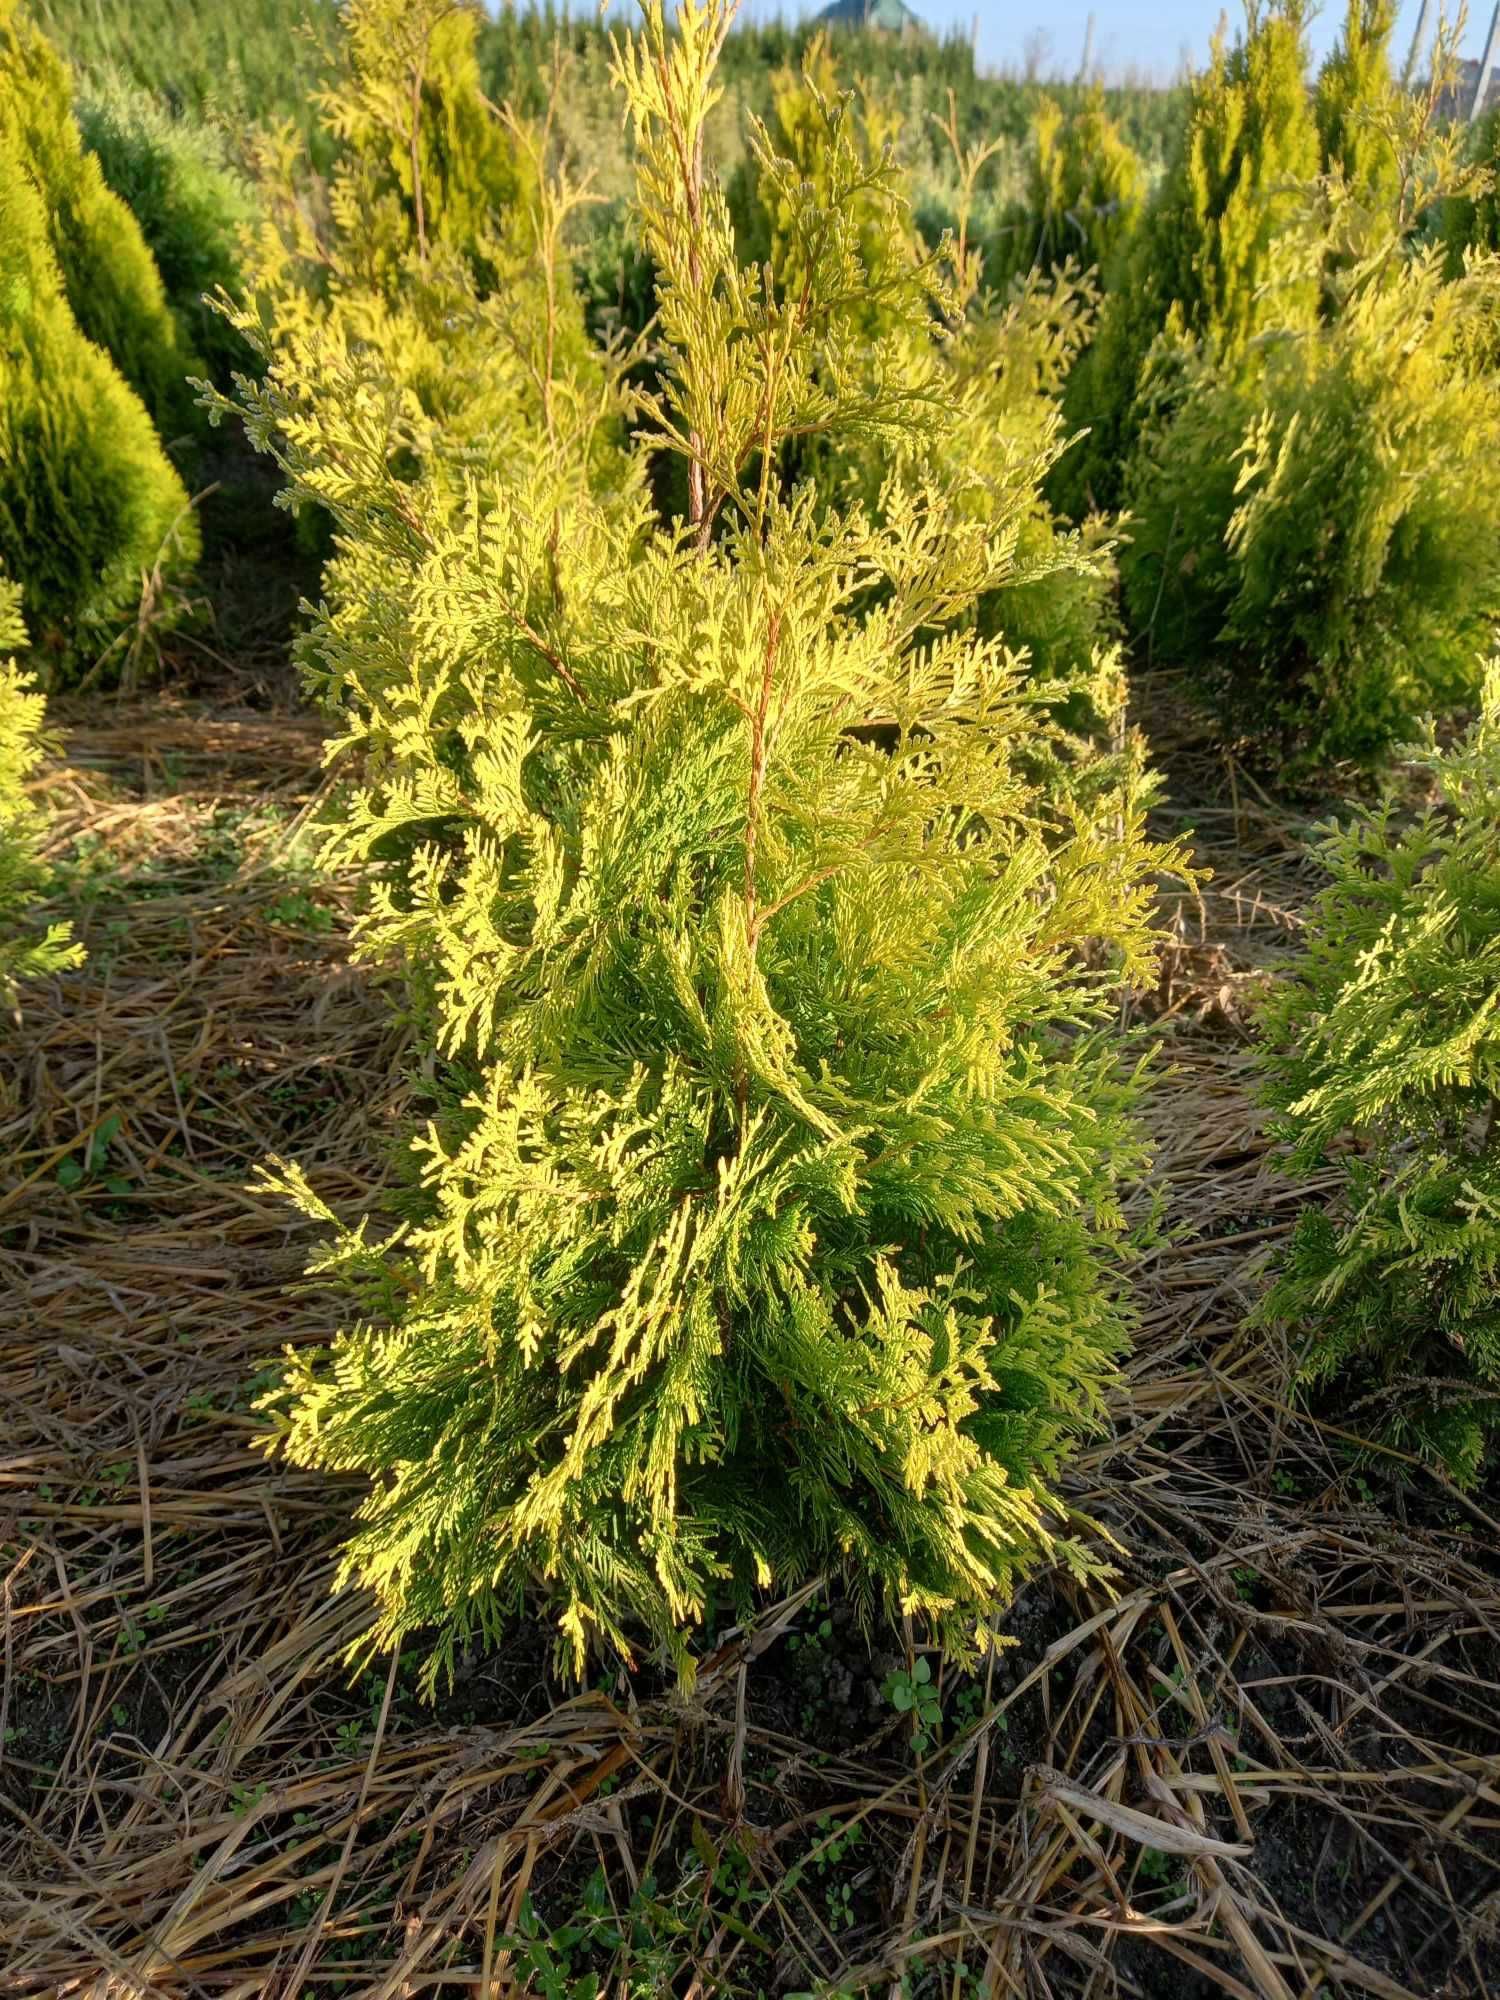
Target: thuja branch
{"points": [[758, 768]]}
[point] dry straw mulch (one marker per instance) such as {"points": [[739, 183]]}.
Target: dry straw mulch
{"points": [[1268, 1764]]}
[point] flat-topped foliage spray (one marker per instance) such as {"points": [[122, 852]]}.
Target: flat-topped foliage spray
{"points": [[771, 1228], [27, 949]]}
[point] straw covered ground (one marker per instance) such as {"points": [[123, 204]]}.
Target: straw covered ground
{"points": [[1267, 1765]]}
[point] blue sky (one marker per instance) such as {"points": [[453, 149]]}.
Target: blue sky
{"points": [[1150, 39]]}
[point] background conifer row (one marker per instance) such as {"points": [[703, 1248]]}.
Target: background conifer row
{"points": [[90, 507], [110, 279], [1228, 284]]}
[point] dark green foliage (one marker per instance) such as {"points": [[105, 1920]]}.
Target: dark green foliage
{"points": [[232, 64], [517, 45], [174, 175], [1382, 1056], [1471, 217], [615, 275], [90, 509], [262, 61], [112, 285]]}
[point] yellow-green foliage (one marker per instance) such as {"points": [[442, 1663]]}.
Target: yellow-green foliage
{"points": [[1086, 189], [503, 398], [802, 102], [421, 256], [1000, 359], [113, 287], [424, 158], [1386, 1033], [426, 170], [1316, 510], [1317, 538], [1201, 265], [1357, 107], [88, 503], [770, 1215], [25, 952], [1008, 358]]}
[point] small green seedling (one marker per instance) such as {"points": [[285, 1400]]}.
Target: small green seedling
{"points": [[915, 1695]]}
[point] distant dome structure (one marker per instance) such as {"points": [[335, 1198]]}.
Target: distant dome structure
{"points": [[887, 17]]}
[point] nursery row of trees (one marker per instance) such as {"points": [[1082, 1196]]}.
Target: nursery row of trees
{"points": [[1273, 335], [727, 630]]}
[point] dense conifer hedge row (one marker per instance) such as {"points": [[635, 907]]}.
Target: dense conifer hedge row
{"points": [[90, 506], [92, 512], [1248, 302]]}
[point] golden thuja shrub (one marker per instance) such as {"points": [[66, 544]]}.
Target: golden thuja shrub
{"points": [[770, 1218], [1381, 1058], [1201, 264], [997, 360]]}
